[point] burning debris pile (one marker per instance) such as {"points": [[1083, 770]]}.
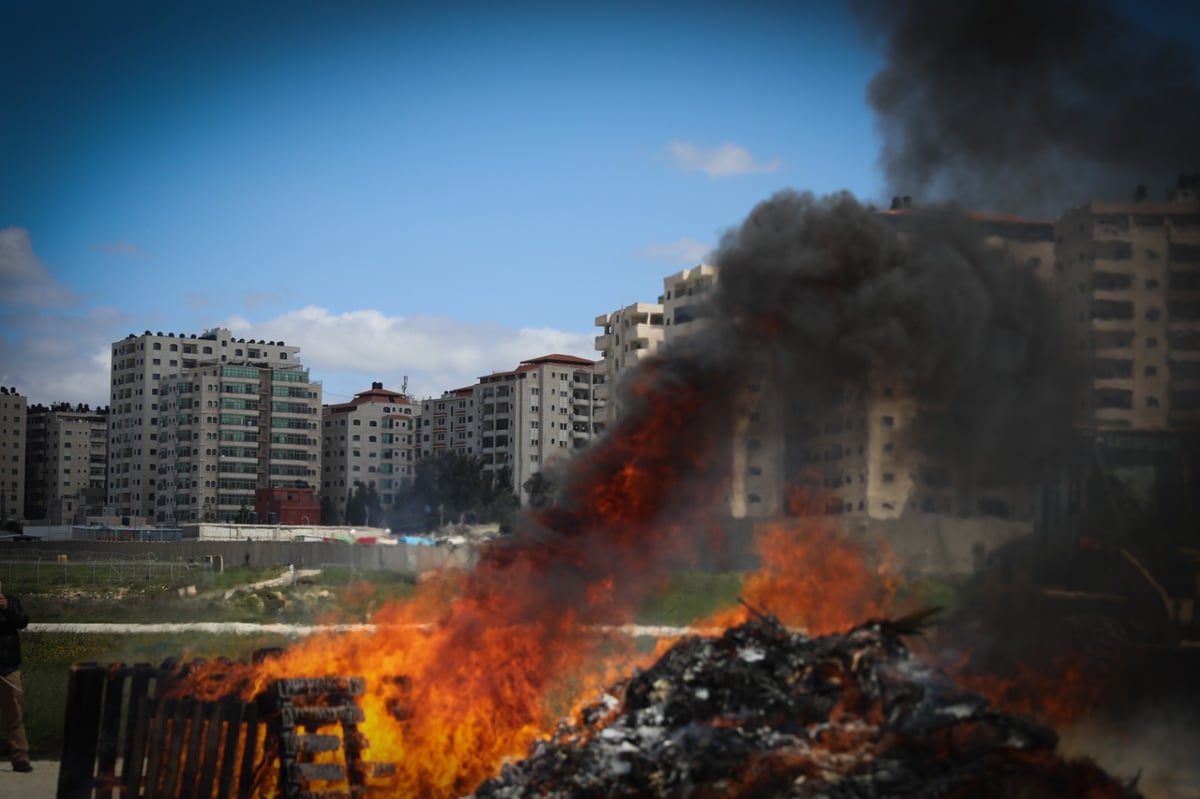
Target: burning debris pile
{"points": [[765, 712]]}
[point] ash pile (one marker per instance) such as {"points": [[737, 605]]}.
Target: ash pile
{"points": [[761, 711]]}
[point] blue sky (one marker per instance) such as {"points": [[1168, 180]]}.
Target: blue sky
{"points": [[400, 189], [430, 190], [426, 190]]}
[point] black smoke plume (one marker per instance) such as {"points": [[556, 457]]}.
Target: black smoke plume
{"points": [[1029, 106], [826, 296]]}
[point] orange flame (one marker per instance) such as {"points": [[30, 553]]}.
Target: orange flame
{"points": [[1060, 691], [476, 666], [812, 575]]}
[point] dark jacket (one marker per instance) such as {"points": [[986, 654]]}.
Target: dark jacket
{"points": [[13, 618]]}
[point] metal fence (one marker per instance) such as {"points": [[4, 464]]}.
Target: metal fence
{"points": [[45, 569]]}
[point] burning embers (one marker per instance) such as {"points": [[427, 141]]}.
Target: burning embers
{"points": [[762, 711]]}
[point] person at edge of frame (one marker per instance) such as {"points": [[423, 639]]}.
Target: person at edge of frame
{"points": [[12, 620]]}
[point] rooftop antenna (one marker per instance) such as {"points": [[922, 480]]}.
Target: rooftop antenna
{"points": [[404, 386]]}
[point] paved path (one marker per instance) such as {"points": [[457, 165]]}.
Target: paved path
{"points": [[215, 627], [253, 628], [41, 783]]}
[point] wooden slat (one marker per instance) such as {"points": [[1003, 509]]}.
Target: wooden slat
{"points": [[157, 738], [139, 687], [140, 742], [193, 754], [180, 720], [85, 692], [232, 719], [214, 734], [250, 743], [110, 724]]}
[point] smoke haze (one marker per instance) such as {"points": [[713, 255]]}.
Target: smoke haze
{"points": [[826, 294], [1027, 106]]}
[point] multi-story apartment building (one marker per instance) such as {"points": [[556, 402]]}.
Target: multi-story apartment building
{"points": [[36, 423], [1128, 276], [629, 335], [370, 441], [197, 422], [756, 487], [12, 454], [683, 299], [855, 448], [852, 447], [449, 423], [67, 455], [637, 331], [536, 414], [227, 430]]}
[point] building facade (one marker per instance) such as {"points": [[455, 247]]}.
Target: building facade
{"points": [[67, 457], [197, 422], [536, 415], [12, 454], [1128, 277], [634, 333], [369, 441], [628, 336], [449, 423], [854, 451], [227, 430]]}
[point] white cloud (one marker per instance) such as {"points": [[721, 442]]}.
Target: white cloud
{"points": [[687, 251], [24, 279], [60, 357], [348, 351], [65, 356], [722, 161]]}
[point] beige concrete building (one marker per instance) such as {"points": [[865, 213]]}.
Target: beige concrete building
{"points": [[633, 333], [628, 336], [854, 451], [196, 422], [370, 440], [537, 414], [12, 454], [858, 454], [449, 423], [683, 299], [1128, 276], [227, 429], [757, 477], [67, 455]]}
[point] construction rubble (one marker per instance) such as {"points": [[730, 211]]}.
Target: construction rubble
{"points": [[761, 711]]}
